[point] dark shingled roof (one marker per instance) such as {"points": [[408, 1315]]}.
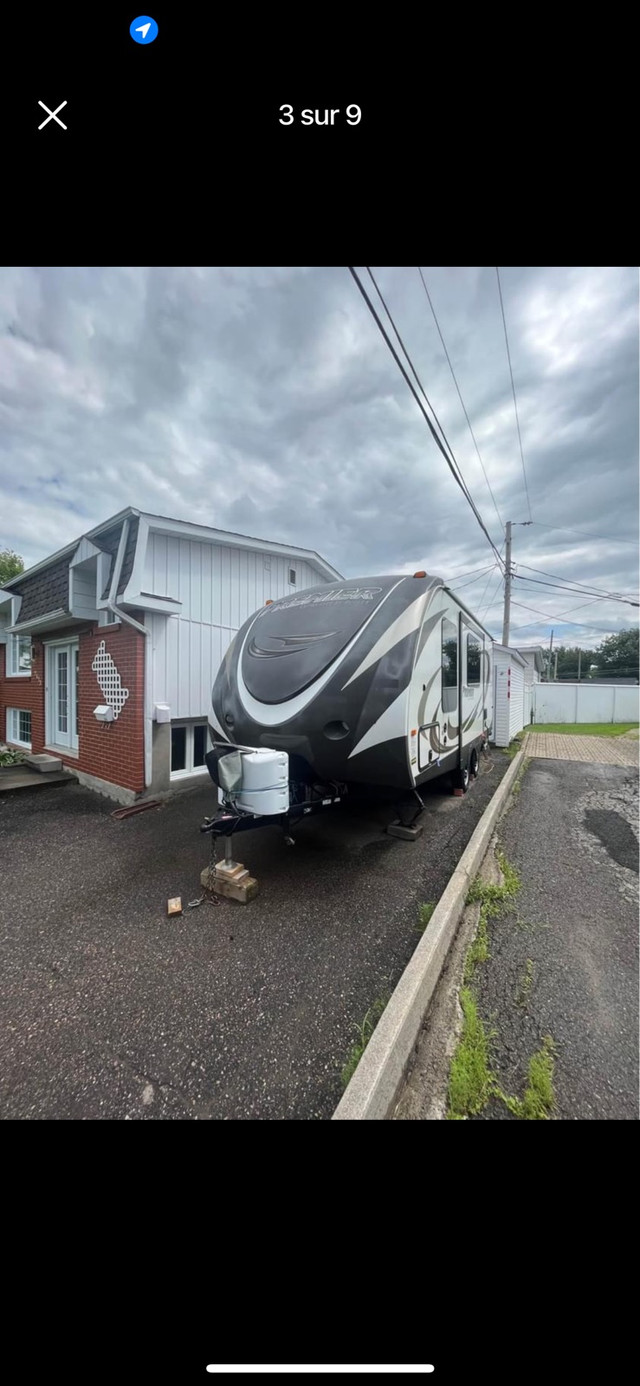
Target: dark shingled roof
{"points": [[46, 591]]}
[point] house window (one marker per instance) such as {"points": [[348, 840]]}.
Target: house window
{"points": [[19, 727], [292, 577], [473, 659], [20, 655], [189, 745]]}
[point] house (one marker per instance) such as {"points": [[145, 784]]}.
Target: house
{"points": [[109, 648], [534, 657]]}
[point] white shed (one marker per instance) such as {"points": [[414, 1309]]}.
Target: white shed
{"points": [[508, 694]]}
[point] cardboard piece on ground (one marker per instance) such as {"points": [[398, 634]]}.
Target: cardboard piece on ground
{"points": [[174, 906]]}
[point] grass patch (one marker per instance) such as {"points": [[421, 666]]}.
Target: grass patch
{"points": [[582, 728], [471, 1082], [365, 1031], [471, 1078], [479, 950], [493, 899], [538, 1100], [526, 982], [517, 784], [424, 915], [514, 746]]}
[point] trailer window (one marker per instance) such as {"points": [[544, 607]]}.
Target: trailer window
{"points": [[449, 666], [473, 659]]}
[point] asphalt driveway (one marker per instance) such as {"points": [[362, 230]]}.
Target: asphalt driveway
{"points": [[113, 1011], [564, 961]]}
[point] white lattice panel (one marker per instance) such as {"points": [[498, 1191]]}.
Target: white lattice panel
{"points": [[109, 680]]}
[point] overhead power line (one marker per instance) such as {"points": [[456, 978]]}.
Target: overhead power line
{"points": [[459, 586], [538, 582], [413, 369], [570, 609], [444, 345], [533, 592], [469, 571], [578, 585], [491, 598], [566, 529], [548, 619], [513, 388], [450, 461]]}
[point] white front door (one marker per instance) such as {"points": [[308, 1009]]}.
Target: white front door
{"points": [[62, 695]]}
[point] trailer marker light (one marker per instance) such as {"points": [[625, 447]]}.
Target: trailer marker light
{"points": [[420, 574], [269, 602]]}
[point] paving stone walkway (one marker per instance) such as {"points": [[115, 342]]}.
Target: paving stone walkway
{"points": [[607, 750]]}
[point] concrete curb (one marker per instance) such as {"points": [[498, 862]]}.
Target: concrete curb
{"points": [[372, 1093]]}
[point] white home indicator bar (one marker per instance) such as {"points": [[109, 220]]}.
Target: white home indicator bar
{"points": [[332, 1368]]}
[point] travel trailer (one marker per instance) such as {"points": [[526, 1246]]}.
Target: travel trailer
{"points": [[381, 681]]}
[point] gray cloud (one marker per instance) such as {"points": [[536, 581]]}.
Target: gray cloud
{"points": [[264, 400]]}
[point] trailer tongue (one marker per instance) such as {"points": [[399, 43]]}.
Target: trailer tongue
{"points": [[254, 790]]}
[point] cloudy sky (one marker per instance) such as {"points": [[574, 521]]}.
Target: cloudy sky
{"points": [[266, 402]]}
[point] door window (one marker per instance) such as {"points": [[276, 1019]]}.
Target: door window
{"points": [[474, 647], [449, 666]]}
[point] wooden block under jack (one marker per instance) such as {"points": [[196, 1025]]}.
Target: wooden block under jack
{"points": [[242, 891], [235, 885], [230, 871]]}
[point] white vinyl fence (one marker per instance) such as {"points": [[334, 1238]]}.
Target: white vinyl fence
{"points": [[584, 702]]}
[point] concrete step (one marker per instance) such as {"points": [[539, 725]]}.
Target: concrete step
{"points": [[43, 762]]}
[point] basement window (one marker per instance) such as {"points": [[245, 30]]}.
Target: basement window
{"points": [[292, 577], [189, 745], [19, 727]]}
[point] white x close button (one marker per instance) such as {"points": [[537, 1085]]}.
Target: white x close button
{"points": [[52, 115]]}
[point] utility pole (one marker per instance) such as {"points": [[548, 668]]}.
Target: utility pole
{"points": [[550, 654], [579, 663], [507, 587], [555, 667]]}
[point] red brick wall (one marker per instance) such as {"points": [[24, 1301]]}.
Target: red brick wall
{"points": [[26, 693], [114, 752]]}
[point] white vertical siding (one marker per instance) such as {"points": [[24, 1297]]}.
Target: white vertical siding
{"points": [[219, 587], [509, 701]]}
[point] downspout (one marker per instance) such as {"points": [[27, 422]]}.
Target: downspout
{"points": [[144, 630]]}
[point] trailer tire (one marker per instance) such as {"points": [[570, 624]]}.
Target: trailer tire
{"points": [[474, 764], [460, 777]]}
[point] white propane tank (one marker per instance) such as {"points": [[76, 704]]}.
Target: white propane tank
{"points": [[264, 769], [265, 782]]}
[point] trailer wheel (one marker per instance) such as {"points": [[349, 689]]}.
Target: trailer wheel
{"points": [[474, 765], [460, 777]]}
